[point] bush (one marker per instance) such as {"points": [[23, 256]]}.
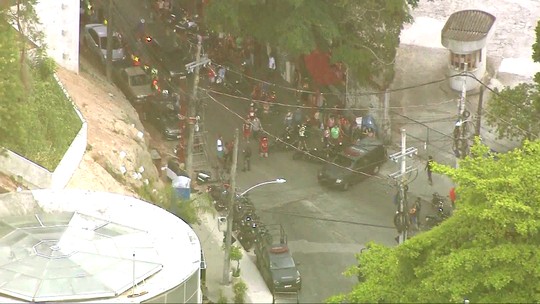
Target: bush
{"points": [[239, 289]]}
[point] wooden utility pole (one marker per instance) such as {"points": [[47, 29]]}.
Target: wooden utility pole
{"points": [[479, 112], [110, 34], [191, 111], [230, 216]]}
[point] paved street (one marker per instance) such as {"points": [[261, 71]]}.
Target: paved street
{"points": [[325, 227]]}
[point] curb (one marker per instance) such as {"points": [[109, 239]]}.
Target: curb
{"points": [[257, 291]]}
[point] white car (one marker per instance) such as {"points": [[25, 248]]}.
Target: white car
{"points": [[95, 39]]}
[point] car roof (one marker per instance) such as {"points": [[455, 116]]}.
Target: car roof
{"points": [[134, 70], [101, 29], [362, 147]]}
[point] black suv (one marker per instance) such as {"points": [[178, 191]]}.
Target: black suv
{"points": [[275, 262], [162, 112], [354, 164]]}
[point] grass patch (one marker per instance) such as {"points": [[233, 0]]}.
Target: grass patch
{"points": [[166, 198], [46, 121]]}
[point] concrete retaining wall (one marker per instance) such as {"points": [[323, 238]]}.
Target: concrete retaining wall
{"points": [[35, 176]]}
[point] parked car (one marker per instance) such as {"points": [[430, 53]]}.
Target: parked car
{"points": [[163, 114], [354, 164], [134, 83], [172, 57], [95, 39], [275, 261]]}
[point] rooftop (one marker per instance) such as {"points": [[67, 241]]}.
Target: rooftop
{"points": [[468, 25], [74, 245]]}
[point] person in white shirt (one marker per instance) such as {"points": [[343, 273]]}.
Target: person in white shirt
{"points": [[220, 151]]}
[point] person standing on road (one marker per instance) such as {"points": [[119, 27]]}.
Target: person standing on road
{"points": [[452, 195], [220, 151], [418, 207], [246, 152], [428, 168], [256, 127], [247, 129], [263, 147]]}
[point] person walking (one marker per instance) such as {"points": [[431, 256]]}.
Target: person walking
{"points": [[452, 195], [429, 168], [256, 127], [246, 152]]}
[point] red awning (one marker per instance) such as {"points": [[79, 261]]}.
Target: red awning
{"points": [[320, 69]]}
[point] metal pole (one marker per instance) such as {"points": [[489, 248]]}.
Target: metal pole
{"points": [[133, 289], [403, 171], [230, 216], [479, 111], [386, 117], [108, 66], [191, 113]]}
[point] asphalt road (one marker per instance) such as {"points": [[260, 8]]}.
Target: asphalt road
{"points": [[325, 228]]}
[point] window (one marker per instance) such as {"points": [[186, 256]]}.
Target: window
{"points": [[458, 60], [94, 36]]}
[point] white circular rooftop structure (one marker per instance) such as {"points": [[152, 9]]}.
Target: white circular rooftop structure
{"points": [[72, 245]]}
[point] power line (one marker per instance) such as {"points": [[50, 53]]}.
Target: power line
{"points": [[336, 94], [294, 147], [321, 108], [325, 219]]}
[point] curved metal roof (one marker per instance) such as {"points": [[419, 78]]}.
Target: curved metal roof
{"points": [[468, 25], [71, 256]]}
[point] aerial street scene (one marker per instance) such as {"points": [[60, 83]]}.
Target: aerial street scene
{"points": [[270, 151]]}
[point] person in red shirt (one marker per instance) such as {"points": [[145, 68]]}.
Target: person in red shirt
{"points": [[247, 129], [452, 196], [263, 146]]}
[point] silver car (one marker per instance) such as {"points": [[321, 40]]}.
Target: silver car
{"points": [[95, 39]]}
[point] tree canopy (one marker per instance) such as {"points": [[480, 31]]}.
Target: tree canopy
{"points": [[488, 251], [362, 34], [519, 107]]}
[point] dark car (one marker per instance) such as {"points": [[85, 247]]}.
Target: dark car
{"points": [[354, 164], [275, 262], [172, 57], [163, 114]]}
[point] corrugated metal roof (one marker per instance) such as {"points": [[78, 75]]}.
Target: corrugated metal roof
{"points": [[468, 25]]}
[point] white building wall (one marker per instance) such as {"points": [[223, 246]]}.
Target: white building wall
{"points": [[60, 25]]}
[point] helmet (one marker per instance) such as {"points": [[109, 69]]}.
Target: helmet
{"points": [[142, 20]]}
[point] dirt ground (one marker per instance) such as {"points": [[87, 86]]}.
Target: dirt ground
{"points": [[117, 157]]}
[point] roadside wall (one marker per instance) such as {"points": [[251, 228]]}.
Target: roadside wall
{"points": [[35, 176]]}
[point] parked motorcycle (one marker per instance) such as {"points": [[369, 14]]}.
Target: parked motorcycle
{"points": [[434, 220]]}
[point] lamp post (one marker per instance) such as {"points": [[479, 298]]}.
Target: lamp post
{"points": [[230, 218]]}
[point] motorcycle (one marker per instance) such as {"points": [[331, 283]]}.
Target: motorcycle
{"points": [[434, 220]]}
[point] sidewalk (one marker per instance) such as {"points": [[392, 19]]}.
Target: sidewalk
{"points": [[211, 242]]}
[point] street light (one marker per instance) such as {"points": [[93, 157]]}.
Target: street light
{"points": [[276, 181], [230, 219]]}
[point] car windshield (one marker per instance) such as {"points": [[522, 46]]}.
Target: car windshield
{"points": [[343, 161], [115, 41], [170, 117], [139, 80], [281, 262]]}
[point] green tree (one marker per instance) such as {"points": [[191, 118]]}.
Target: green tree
{"points": [[488, 251], [362, 34], [519, 107]]}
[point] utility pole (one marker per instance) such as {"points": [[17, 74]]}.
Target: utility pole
{"points": [[401, 219], [230, 216], [109, 41], [460, 141], [386, 117], [479, 111], [191, 112]]}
